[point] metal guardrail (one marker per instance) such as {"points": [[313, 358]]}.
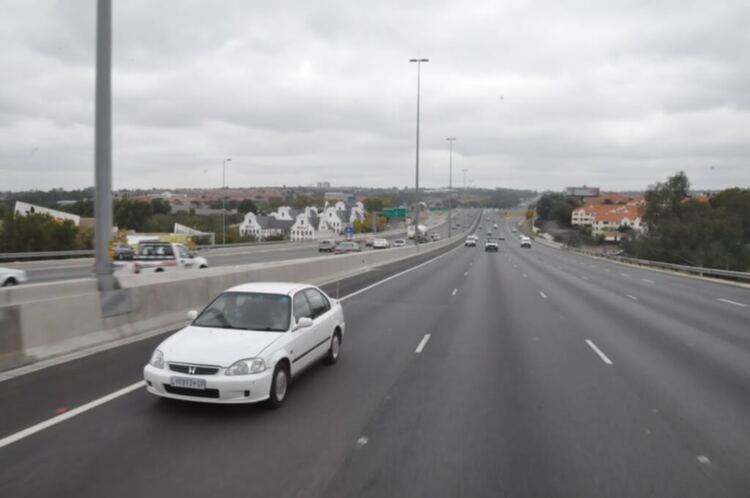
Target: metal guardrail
{"points": [[697, 270]]}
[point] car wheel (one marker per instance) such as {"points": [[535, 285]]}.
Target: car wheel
{"points": [[279, 386], [203, 266], [333, 352], [10, 282]]}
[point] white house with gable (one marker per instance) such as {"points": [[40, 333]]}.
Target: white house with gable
{"points": [[250, 226], [302, 229]]}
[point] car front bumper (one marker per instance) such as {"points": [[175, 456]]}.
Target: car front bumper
{"points": [[219, 388]]}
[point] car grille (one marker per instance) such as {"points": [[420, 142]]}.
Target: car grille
{"points": [[199, 370], [186, 391]]}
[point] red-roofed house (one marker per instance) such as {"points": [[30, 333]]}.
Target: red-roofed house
{"points": [[607, 219]]}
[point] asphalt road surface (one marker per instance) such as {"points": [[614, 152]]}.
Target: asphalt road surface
{"points": [[60, 270], [524, 373]]}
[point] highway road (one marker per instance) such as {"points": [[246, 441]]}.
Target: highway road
{"points": [[60, 270], [526, 373]]}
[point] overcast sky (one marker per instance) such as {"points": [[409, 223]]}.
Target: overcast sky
{"points": [[539, 94]]}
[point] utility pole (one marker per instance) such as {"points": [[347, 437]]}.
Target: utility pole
{"points": [[416, 191], [450, 188], [103, 146], [224, 200]]}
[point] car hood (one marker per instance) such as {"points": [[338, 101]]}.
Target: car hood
{"points": [[215, 346]]}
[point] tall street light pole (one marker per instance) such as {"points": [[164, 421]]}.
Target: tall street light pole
{"points": [[416, 192], [224, 199], [103, 146], [450, 188], [464, 207]]}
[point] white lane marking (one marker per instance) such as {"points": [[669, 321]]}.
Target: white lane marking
{"points": [[422, 343], [624, 275], [454, 292], [69, 414], [599, 352], [362, 441], [647, 281], [544, 296], [515, 266], [732, 302], [703, 459], [466, 274], [388, 279], [632, 297], [524, 275]]}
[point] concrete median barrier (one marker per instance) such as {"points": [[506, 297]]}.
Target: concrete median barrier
{"points": [[47, 320]]}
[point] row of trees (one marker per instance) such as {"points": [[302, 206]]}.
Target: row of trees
{"points": [[40, 232], [683, 230]]}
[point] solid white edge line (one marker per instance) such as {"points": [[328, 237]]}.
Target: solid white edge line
{"points": [[422, 343], [69, 414], [544, 296], [599, 352], [732, 302], [388, 279], [632, 297]]}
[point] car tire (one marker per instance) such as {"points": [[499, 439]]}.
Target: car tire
{"points": [[10, 282], [279, 386], [334, 351], [202, 267]]}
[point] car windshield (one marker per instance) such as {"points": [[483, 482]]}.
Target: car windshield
{"points": [[247, 311]]}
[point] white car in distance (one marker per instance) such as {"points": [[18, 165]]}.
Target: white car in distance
{"points": [[10, 277], [381, 244], [247, 344], [525, 241]]}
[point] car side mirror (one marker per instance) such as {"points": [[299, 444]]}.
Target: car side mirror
{"points": [[304, 322], [192, 315]]}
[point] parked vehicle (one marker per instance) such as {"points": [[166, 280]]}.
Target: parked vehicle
{"points": [[399, 243], [326, 246], [348, 246], [248, 344], [12, 276], [381, 244], [156, 257]]}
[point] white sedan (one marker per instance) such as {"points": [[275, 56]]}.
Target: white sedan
{"points": [[247, 344], [11, 276], [381, 244]]}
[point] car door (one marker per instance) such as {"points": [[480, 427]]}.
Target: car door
{"points": [[323, 317], [304, 339], [184, 259]]}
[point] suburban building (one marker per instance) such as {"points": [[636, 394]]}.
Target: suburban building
{"points": [[303, 224], [608, 220], [25, 209]]}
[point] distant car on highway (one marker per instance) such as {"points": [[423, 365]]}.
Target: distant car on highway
{"points": [[157, 257], [491, 245], [369, 241], [399, 243], [470, 241], [525, 241], [327, 246], [381, 244], [348, 246], [123, 251], [11, 276], [434, 236], [247, 344], [489, 233]]}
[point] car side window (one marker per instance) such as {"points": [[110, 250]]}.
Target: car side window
{"points": [[183, 252], [318, 302], [301, 307]]}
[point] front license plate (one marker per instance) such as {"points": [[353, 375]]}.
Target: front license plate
{"points": [[188, 382]]}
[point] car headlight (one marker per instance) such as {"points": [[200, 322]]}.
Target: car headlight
{"points": [[157, 359], [245, 367]]}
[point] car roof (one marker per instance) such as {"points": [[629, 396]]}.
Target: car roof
{"points": [[269, 287]]}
